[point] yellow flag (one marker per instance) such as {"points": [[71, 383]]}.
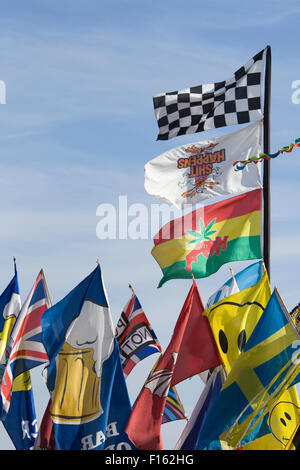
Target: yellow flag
{"points": [[233, 319]]}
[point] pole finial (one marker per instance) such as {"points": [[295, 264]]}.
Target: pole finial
{"points": [[231, 271], [131, 288]]}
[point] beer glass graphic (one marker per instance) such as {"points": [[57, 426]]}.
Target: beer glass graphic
{"points": [[89, 341]]}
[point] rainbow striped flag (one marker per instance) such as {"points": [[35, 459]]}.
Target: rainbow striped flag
{"points": [[200, 242], [173, 408]]}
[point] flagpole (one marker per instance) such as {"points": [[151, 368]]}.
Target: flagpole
{"points": [[131, 288], [46, 286], [266, 165]]}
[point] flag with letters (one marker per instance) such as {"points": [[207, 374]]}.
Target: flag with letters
{"points": [[24, 349], [20, 420], [236, 100], [174, 409], [135, 335], [192, 173], [90, 404]]}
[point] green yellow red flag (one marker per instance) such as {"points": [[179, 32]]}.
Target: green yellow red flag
{"points": [[200, 242]]}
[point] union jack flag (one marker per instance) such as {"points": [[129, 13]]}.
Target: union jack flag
{"points": [[135, 336], [25, 348]]}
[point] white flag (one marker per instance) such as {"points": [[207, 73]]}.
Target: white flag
{"points": [[194, 172]]}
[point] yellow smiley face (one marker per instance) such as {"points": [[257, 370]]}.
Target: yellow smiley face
{"points": [[283, 420], [234, 318]]}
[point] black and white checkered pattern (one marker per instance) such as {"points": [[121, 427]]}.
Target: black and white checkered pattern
{"points": [[233, 101]]}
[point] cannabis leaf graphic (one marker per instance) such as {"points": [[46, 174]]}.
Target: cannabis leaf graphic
{"points": [[204, 234]]}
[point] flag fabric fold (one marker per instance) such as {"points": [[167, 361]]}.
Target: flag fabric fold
{"points": [[192, 173], [200, 242], [21, 422], [191, 350], [90, 405], [236, 100], [189, 436], [24, 349], [45, 439], [267, 366]]}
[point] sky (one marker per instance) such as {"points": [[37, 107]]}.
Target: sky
{"points": [[78, 126]]}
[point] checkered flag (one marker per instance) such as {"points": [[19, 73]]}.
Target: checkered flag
{"points": [[233, 101]]}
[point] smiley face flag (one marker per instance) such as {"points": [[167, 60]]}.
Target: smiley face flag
{"points": [[233, 319], [277, 427]]}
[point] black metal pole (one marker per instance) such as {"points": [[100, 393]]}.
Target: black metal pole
{"points": [[266, 165]]}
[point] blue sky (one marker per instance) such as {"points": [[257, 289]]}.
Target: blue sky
{"points": [[78, 127]]}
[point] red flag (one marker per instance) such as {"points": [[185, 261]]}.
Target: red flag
{"points": [[45, 439], [192, 350]]}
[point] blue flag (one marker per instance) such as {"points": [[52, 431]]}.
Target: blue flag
{"points": [[20, 420], [90, 405], [265, 369], [10, 305]]}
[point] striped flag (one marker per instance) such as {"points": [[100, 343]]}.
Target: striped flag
{"points": [[200, 242], [135, 335], [25, 349]]}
